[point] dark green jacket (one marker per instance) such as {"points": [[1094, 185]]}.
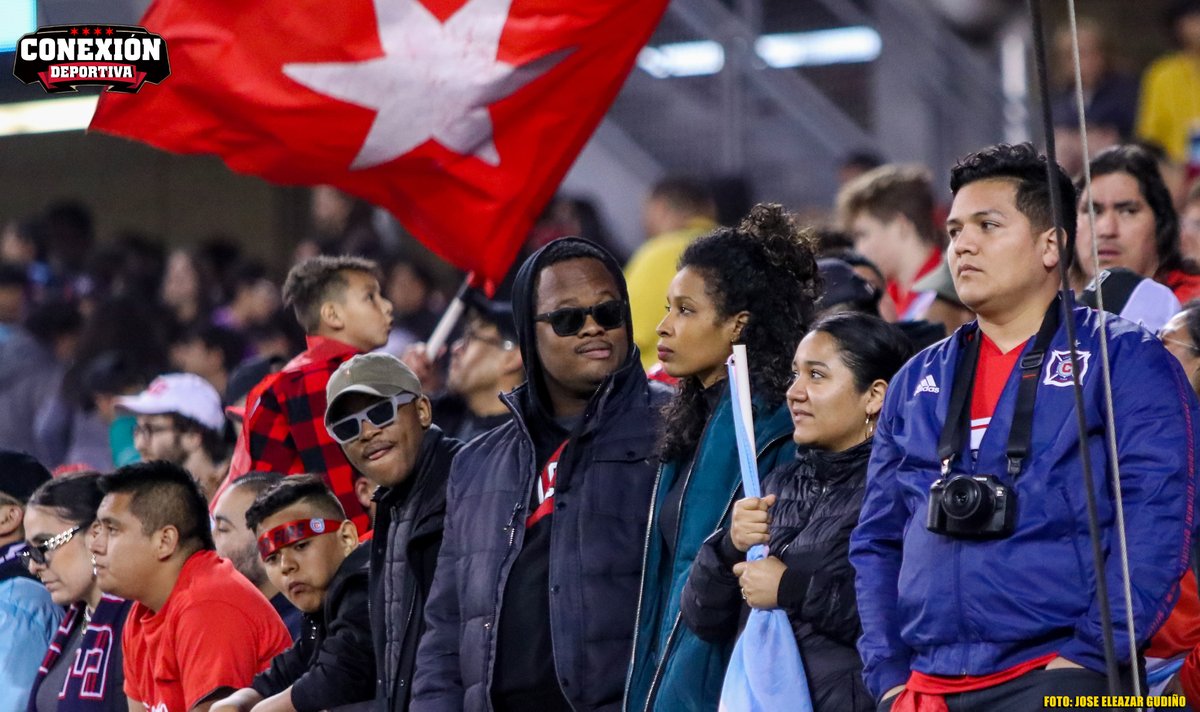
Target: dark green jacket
{"points": [[672, 669]]}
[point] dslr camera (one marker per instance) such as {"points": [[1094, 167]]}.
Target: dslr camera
{"points": [[971, 507]]}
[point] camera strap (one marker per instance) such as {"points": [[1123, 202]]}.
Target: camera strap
{"points": [[956, 431]]}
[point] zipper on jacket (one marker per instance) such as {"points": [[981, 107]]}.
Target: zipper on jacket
{"points": [[659, 665], [637, 619]]}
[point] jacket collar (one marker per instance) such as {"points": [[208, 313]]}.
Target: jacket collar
{"points": [[319, 349], [833, 467]]}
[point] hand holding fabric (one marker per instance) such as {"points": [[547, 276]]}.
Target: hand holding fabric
{"points": [[750, 522], [760, 581]]}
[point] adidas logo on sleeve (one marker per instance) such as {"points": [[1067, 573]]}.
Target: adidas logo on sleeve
{"points": [[927, 385]]}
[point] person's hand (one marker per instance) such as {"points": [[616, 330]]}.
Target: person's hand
{"points": [[418, 358], [760, 581], [1060, 663], [750, 521]]}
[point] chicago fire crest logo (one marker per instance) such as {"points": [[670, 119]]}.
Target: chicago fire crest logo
{"points": [[63, 57], [1058, 368]]}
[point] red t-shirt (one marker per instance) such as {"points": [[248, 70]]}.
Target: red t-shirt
{"points": [[216, 630], [902, 295], [990, 377]]}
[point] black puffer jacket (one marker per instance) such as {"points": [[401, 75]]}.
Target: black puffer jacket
{"points": [[820, 495], [404, 551]]}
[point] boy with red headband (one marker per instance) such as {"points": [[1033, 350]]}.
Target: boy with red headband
{"points": [[311, 553]]}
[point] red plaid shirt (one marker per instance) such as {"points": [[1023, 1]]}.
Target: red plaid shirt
{"points": [[286, 428]]}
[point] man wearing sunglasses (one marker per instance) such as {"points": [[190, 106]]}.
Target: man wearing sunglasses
{"points": [[535, 594], [28, 616], [384, 424]]}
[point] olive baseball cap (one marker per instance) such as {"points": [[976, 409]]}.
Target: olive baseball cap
{"points": [[376, 374]]}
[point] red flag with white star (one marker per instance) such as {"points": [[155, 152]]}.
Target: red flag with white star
{"points": [[461, 118]]}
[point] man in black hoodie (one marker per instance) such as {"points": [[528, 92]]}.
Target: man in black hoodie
{"points": [[384, 423], [535, 593]]}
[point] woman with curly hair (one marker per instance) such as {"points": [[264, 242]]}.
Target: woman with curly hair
{"points": [[756, 285], [811, 504]]}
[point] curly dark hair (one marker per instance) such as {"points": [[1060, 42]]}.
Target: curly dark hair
{"points": [[766, 266], [1023, 165]]}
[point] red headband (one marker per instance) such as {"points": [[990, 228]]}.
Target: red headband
{"points": [[292, 532]]}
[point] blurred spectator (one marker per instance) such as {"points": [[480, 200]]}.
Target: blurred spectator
{"points": [[235, 541], [180, 420], [866, 269], [58, 521], [484, 363], [14, 288], [831, 240], [844, 290], [1181, 336], [254, 299], [567, 215], [244, 379], [1110, 96], [946, 308], [1189, 225], [890, 212], [32, 362], [342, 224], [20, 245], [197, 630], [855, 164], [67, 233], [311, 551], [340, 305], [410, 289], [186, 288], [677, 211], [28, 615], [1136, 224], [1169, 110], [281, 336], [107, 377], [211, 352]]}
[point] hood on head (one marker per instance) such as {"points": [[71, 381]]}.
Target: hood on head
{"points": [[524, 305]]}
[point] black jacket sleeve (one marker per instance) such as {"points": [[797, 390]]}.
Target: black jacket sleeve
{"points": [[344, 668], [287, 667], [712, 601], [824, 598]]}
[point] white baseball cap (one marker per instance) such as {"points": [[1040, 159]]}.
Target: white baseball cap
{"points": [[185, 394]]}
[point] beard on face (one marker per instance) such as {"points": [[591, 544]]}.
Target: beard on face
{"points": [[246, 561]]}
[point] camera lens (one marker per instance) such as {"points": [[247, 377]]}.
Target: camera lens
{"points": [[964, 498]]}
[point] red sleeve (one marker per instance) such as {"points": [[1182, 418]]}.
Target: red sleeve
{"points": [[132, 662], [1189, 676], [217, 645], [269, 438]]}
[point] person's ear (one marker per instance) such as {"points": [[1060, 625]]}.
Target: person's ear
{"points": [[511, 362], [165, 542], [191, 440], [1049, 248], [331, 315], [11, 517], [740, 320], [424, 412], [876, 392], [348, 537]]}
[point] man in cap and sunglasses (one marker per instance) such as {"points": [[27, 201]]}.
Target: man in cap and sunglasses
{"points": [[384, 424], [28, 616], [535, 596]]}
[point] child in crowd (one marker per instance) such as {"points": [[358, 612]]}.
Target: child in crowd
{"points": [[311, 554]]}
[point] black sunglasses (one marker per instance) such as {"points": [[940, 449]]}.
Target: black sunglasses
{"points": [[569, 320], [383, 413], [36, 553]]}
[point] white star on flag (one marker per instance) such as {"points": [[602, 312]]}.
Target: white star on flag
{"points": [[434, 81]]}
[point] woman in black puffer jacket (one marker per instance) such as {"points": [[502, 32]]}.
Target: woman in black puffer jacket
{"points": [[810, 505]]}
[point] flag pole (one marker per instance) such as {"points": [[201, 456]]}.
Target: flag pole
{"points": [[449, 320]]}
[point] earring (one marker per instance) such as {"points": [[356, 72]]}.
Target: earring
{"points": [[94, 572], [870, 427]]}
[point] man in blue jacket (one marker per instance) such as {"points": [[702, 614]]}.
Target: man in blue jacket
{"points": [[975, 578], [535, 591]]}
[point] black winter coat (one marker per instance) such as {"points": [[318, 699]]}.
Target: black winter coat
{"points": [[404, 551], [819, 497], [331, 664]]}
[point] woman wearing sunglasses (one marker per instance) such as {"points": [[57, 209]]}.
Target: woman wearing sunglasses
{"points": [[58, 521], [842, 369], [755, 285]]}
